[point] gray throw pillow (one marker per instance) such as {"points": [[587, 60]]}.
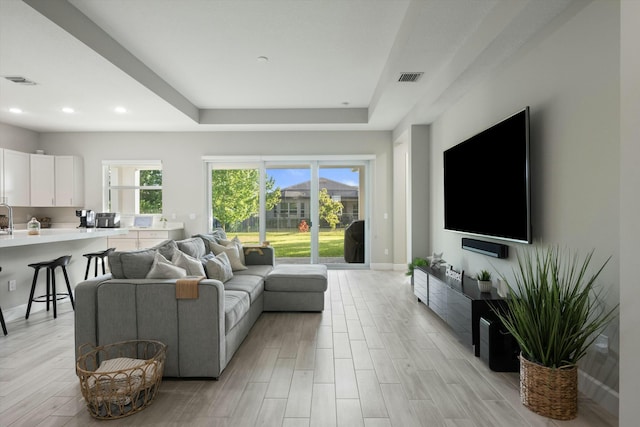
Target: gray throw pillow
{"points": [[193, 247], [219, 268]]}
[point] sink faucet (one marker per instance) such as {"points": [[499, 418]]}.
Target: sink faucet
{"points": [[10, 228]]}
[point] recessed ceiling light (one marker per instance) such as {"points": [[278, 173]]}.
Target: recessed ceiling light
{"points": [[68, 110], [263, 59], [345, 103], [120, 110], [15, 110]]}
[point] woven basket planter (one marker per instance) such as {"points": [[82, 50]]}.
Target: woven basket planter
{"points": [[550, 392], [120, 379]]}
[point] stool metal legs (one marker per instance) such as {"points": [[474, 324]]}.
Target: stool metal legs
{"points": [[4, 326], [52, 296]]}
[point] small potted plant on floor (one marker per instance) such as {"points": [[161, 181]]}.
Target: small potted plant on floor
{"points": [[554, 311], [484, 281]]}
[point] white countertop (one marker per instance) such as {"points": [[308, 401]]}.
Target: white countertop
{"points": [[169, 227], [53, 235]]}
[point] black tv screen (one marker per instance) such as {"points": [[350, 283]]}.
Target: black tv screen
{"points": [[486, 182]]}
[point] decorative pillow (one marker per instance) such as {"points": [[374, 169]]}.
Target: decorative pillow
{"points": [[232, 254], [193, 247], [192, 265], [163, 269], [235, 241], [166, 248], [206, 258], [219, 268]]}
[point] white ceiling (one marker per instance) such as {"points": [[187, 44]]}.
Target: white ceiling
{"points": [[192, 65]]}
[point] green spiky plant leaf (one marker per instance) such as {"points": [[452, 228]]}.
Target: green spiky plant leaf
{"points": [[554, 309], [417, 262]]}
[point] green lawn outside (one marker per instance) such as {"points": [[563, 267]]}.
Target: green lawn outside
{"points": [[294, 244]]}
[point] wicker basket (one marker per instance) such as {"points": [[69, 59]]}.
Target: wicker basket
{"points": [[120, 379], [550, 392]]}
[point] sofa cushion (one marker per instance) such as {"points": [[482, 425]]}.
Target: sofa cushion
{"points": [[193, 247], [255, 270], [166, 248], [253, 285], [131, 264], [164, 269], [297, 278], [136, 264], [192, 265], [219, 268], [236, 305]]}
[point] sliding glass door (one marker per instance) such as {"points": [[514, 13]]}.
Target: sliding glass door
{"points": [[288, 222], [309, 211]]}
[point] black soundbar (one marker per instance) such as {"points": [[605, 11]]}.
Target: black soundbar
{"points": [[495, 250]]}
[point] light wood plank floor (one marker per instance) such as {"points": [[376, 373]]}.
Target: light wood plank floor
{"points": [[374, 357]]}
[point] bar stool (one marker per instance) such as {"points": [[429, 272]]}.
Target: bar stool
{"points": [[4, 325], [101, 255], [52, 295]]}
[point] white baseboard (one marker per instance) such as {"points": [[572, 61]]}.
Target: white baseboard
{"points": [[399, 267], [381, 266], [600, 393]]}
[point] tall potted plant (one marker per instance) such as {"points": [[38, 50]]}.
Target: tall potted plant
{"points": [[554, 312]]}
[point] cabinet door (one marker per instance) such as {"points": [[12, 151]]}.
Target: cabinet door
{"points": [[438, 297], [420, 285], [69, 182], [17, 178], [42, 180]]}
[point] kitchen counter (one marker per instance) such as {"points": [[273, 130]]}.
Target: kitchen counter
{"points": [[54, 235]]}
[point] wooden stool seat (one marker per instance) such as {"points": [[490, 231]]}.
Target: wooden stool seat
{"points": [[52, 296], [100, 255]]}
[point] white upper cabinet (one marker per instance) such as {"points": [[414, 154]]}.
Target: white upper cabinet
{"points": [[42, 180], [69, 181], [17, 178]]}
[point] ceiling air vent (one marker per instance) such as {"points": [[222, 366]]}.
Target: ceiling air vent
{"points": [[20, 80], [410, 77]]}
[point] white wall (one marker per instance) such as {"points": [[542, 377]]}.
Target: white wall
{"points": [[184, 181], [570, 78], [18, 139], [629, 213]]}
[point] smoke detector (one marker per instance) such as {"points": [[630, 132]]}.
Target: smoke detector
{"points": [[20, 80], [410, 77]]}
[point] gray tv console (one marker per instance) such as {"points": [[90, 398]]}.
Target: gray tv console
{"points": [[459, 304]]}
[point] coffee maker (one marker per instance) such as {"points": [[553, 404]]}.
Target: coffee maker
{"points": [[87, 218]]}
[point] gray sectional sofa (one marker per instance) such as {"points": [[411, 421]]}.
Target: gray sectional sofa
{"points": [[203, 333]]}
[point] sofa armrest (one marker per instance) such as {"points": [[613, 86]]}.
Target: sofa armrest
{"points": [[85, 319], [259, 255], [109, 311]]}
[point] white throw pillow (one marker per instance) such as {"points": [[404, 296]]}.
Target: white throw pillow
{"points": [[163, 269], [219, 268], [235, 241], [232, 254], [192, 265]]}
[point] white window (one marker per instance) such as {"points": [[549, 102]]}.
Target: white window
{"points": [[132, 188]]}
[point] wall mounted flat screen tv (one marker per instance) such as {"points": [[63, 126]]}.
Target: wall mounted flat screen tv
{"points": [[486, 182]]}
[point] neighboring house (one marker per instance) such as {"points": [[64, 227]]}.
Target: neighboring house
{"points": [[295, 204]]}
